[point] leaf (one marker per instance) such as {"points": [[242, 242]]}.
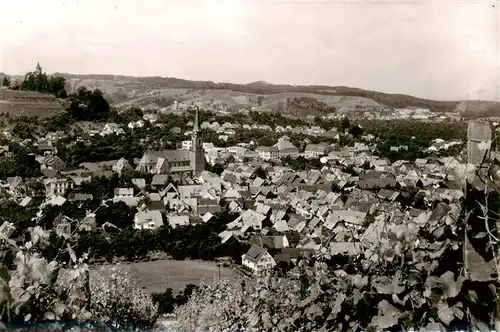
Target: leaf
{"points": [[480, 235], [20, 301], [438, 249], [458, 312], [397, 300], [451, 288], [59, 309], [445, 313], [359, 281], [4, 273], [314, 311], [266, 320], [433, 326], [438, 232], [472, 295], [384, 285], [414, 278], [356, 296], [388, 316], [481, 327], [337, 307], [6, 230], [50, 316]]}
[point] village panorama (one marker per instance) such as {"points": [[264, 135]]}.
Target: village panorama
{"points": [[139, 201]]}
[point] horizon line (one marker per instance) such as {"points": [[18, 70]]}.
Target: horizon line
{"points": [[258, 81]]}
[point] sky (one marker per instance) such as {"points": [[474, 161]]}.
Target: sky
{"points": [[439, 50]]}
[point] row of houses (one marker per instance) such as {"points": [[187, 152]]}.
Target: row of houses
{"points": [[290, 212]]}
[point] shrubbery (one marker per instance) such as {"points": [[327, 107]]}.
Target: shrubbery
{"points": [[39, 289], [200, 241], [405, 276]]}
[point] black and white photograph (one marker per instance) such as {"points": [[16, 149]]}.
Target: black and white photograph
{"points": [[249, 165]]}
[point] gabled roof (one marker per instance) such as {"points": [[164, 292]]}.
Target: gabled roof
{"points": [[123, 191], [159, 179], [388, 194], [255, 253], [14, 181], [148, 216], [139, 182]]}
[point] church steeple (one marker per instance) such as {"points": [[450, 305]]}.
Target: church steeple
{"points": [[38, 69], [196, 125], [197, 152]]}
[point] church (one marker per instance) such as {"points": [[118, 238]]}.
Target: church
{"points": [[190, 161]]}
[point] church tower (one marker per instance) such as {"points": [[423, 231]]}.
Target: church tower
{"points": [[197, 153], [38, 69]]}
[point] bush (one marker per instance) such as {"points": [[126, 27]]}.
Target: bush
{"points": [[38, 289], [118, 302], [407, 277]]}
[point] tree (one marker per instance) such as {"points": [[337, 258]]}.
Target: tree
{"points": [[356, 131], [6, 81], [87, 105], [35, 82], [259, 172], [42, 83], [57, 86], [260, 99], [217, 168], [345, 123]]}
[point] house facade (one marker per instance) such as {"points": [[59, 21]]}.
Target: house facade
{"points": [[286, 149], [258, 259], [148, 219], [58, 185], [316, 150], [268, 152]]}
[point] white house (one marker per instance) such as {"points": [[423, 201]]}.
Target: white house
{"points": [[125, 195], [136, 124], [148, 219], [57, 185], [187, 144], [286, 149], [268, 152], [258, 259], [112, 128], [316, 150], [151, 117]]}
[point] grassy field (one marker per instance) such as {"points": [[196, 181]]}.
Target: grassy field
{"points": [[157, 276]]}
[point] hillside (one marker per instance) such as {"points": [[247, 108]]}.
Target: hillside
{"points": [[29, 103], [128, 88], [300, 100]]}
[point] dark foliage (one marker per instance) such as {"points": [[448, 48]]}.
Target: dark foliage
{"points": [[87, 105], [300, 163], [41, 83], [168, 301], [200, 241]]}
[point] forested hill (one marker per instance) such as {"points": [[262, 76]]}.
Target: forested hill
{"points": [[391, 100], [122, 88]]}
